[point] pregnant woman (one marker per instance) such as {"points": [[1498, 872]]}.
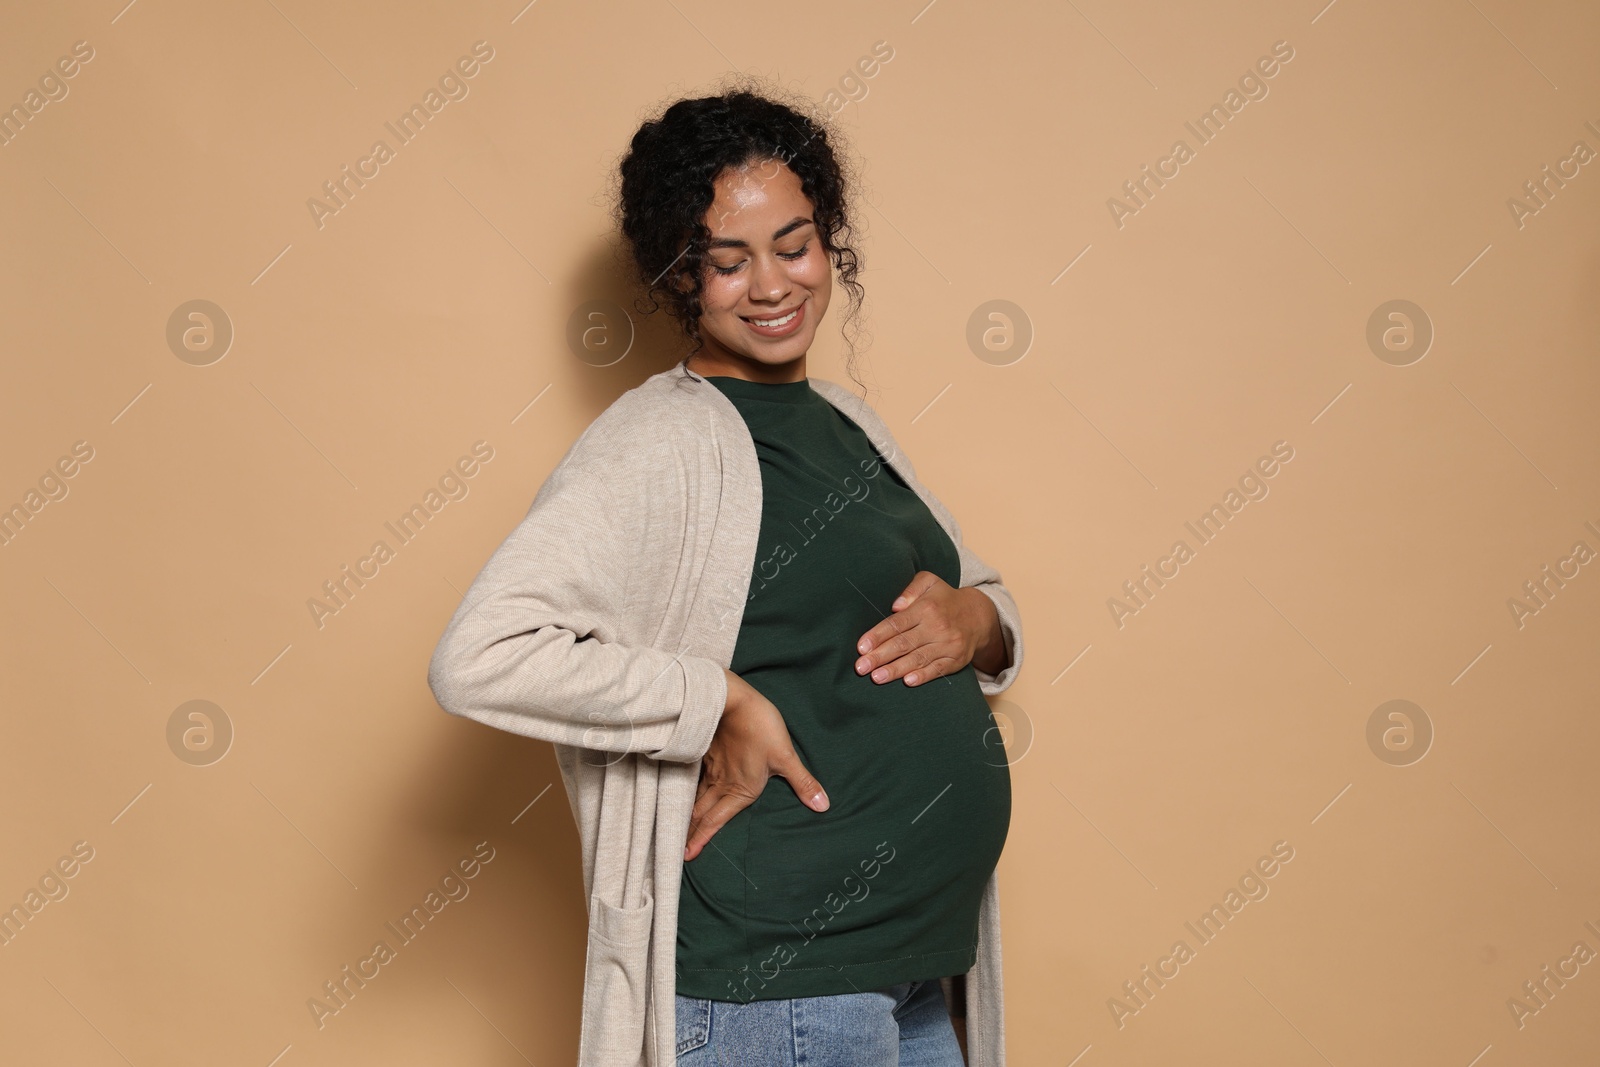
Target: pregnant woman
{"points": [[761, 650]]}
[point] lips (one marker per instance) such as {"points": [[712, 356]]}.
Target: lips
{"points": [[773, 317], [796, 316]]}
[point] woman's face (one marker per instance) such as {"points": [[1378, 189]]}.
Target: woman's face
{"points": [[767, 266]]}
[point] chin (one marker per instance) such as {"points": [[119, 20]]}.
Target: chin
{"points": [[772, 359]]}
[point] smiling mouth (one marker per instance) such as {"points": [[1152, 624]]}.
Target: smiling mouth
{"points": [[778, 320]]}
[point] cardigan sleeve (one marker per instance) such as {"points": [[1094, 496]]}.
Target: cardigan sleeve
{"points": [[534, 648], [984, 578]]}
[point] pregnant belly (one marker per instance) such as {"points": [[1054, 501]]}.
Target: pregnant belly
{"points": [[917, 773]]}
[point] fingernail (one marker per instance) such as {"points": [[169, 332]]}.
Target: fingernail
{"points": [[819, 801]]}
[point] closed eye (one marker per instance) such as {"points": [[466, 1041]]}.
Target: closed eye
{"points": [[797, 254]]}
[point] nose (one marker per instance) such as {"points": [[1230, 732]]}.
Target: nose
{"points": [[768, 280]]}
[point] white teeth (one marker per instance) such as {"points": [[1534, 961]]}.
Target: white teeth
{"points": [[776, 322]]}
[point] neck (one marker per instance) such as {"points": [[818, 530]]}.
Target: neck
{"points": [[710, 364]]}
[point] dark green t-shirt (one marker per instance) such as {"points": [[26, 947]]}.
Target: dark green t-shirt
{"points": [[883, 887]]}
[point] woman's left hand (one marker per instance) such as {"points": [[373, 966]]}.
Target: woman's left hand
{"points": [[936, 629]]}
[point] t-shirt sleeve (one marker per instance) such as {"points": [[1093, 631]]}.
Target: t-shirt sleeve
{"points": [[984, 578]]}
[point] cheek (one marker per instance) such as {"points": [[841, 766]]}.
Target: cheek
{"points": [[720, 294], [814, 273]]}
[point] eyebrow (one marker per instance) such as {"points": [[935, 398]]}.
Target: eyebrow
{"points": [[733, 242]]}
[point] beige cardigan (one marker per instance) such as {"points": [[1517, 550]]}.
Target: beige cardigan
{"points": [[602, 624]]}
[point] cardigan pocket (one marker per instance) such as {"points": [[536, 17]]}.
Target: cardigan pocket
{"points": [[616, 981]]}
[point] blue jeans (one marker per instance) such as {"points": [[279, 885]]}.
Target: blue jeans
{"points": [[904, 1025]]}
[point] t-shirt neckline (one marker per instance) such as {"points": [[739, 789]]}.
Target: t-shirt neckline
{"points": [[799, 392]]}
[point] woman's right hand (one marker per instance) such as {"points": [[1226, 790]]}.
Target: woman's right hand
{"points": [[751, 744]]}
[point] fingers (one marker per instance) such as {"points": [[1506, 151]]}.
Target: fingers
{"points": [[751, 745], [920, 583], [707, 794], [716, 805], [720, 807], [886, 630], [903, 634], [900, 655], [804, 784], [922, 664], [929, 644]]}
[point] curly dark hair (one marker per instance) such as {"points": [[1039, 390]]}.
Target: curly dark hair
{"points": [[666, 189]]}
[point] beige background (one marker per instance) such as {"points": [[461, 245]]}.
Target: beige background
{"points": [[1228, 313]]}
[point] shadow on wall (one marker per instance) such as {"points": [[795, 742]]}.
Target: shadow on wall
{"points": [[602, 320], [482, 918], [497, 931]]}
